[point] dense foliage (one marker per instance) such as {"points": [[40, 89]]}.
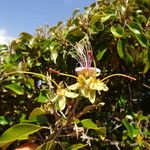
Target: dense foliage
{"points": [[119, 32]]}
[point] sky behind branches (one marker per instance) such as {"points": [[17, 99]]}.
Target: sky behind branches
{"points": [[26, 15]]}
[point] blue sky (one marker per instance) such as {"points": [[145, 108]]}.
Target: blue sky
{"points": [[26, 15]]}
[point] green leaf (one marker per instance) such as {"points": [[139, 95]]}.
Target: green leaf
{"points": [[121, 47], [54, 50], [15, 88], [128, 127], [36, 112], [50, 145], [147, 66], [3, 120], [117, 31], [75, 12], [30, 83], [26, 36], [95, 18], [135, 27], [107, 17], [74, 31], [76, 146], [101, 53], [17, 132], [129, 58], [87, 123], [101, 132], [42, 97], [142, 40]]}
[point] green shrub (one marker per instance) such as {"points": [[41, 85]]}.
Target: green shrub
{"points": [[119, 33]]}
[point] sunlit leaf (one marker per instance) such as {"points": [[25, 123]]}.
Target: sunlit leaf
{"points": [[117, 31], [36, 112], [54, 51], [17, 132], [107, 17], [42, 97], [74, 31], [25, 35], [142, 40], [135, 27], [87, 123], [30, 83], [3, 120], [15, 88]]}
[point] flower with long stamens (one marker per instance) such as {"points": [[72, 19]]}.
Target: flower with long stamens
{"points": [[84, 55]]}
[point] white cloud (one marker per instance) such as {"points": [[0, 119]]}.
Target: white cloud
{"points": [[5, 38]]}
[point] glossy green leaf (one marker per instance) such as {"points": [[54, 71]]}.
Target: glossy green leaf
{"points": [[42, 97], [96, 24], [128, 127], [142, 40], [135, 27], [15, 88], [74, 31], [117, 31], [77, 146], [121, 48], [36, 112], [3, 120], [107, 17], [87, 123], [95, 18], [30, 83], [100, 54], [17, 132]]}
